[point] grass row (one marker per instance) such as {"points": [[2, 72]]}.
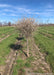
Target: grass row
{"points": [[46, 34], [48, 30], [5, 47]]}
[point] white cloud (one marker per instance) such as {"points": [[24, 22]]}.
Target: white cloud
{"points": [[15, 10], [50, 10], [5, 5], [8, 10], [13, 15], [3, 14], [49, 5]]}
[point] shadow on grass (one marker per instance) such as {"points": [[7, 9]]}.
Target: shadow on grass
{"points": [[17, 47], [20, 38]]}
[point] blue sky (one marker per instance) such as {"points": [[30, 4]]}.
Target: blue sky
{"points": [[12, 10]]}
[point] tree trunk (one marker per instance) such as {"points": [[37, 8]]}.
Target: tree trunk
{"points": [[27, 49]]}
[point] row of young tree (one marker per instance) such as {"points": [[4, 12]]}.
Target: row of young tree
{"points": [[27, 26]]}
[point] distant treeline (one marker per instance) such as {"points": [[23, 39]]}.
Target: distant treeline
{"points": [[6, 24], [46, 24], [12, 24]]}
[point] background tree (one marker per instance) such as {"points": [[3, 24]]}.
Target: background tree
{"points": [[9, 23]]}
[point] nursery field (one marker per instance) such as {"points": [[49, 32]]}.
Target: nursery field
{"points": [[13, 51]]}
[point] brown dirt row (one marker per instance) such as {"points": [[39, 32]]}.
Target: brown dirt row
{"points": [[4, 38], [1, 39]]}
